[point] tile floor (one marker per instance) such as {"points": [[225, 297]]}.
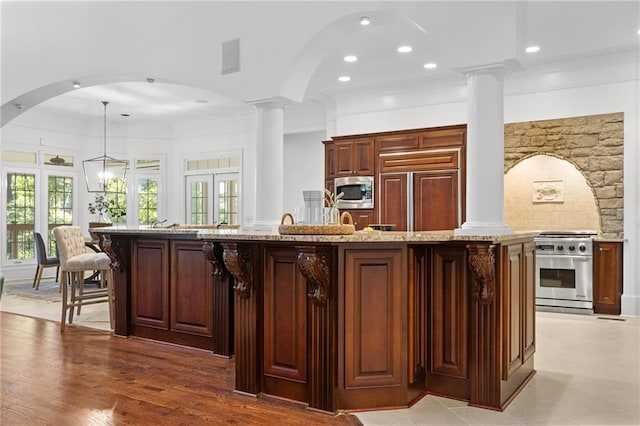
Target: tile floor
{"points": [[588, 373]]}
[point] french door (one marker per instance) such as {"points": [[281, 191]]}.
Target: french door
{"points": [[212, 198]]}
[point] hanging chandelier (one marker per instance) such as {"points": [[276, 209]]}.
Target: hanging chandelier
{"points": [[99, 171]]}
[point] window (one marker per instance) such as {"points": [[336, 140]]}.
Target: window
{"points": [[59, 208], [147, 200], [21, 214], [117, 193]]}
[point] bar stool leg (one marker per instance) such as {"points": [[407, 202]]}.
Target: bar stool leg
{"points": [[63, 286], [109, 278], [74, 299], [80, 290]]}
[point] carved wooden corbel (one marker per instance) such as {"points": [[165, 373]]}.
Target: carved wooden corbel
{"points": [[111, 249], [214, 254], [237, 259], [314, 265], [482, 261]]}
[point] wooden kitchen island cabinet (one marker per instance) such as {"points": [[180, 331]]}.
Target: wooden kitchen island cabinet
{"points": [[365, 321], [168, 290]]}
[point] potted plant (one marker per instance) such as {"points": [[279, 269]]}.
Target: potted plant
{"points": [[105, 209]]}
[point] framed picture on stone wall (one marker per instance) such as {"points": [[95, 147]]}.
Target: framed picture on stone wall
{"points": [[547, 191]]}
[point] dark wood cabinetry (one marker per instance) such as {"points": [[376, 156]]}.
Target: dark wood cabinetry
{"points": [[285, 325], [361, 218], [607, 277], [358, 322], [329, 160], [419, 174], [191, 290], [448, 361], [392, 203], [434, 203], [150, 283], [354, 157], [374, 345], [176, 297]]}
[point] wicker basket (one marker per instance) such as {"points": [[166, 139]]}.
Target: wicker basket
{"points": [[345, 227]]}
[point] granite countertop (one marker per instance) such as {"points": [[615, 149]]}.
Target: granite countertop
{"points": [[210, 233]]}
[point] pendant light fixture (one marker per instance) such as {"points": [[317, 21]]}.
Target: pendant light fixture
{"points": [[99, 171]]}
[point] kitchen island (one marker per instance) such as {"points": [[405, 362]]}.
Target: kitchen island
{"points": [[362, 321]]}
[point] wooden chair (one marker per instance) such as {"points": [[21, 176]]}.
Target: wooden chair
{"points": [[74, 261], [43, 261]]}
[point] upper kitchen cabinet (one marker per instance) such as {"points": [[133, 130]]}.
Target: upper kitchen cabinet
{"points": [[448, 136], [329, 160], [398, 142], [354, 157]]}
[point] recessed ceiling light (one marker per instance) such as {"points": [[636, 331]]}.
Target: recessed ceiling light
{"points": [[151, 80], [76, 84], [532, 49], [350, 58], [364, 21], [202, 101], [430, 65], [344, 78], [124, 114], [405, 49]]}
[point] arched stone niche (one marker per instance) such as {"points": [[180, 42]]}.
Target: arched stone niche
{"points": [[548, 193], [593, 144]]}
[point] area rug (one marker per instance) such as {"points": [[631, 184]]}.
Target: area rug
{"points": [[47, 292]]}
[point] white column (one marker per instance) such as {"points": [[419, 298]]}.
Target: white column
{"points": [[269, 162], [485, 154]]}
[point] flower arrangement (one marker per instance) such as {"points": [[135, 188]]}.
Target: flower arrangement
{"points": [[332, 201], [331, 198]]}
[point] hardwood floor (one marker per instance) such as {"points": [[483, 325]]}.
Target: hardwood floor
{"points": [[85, 376]]}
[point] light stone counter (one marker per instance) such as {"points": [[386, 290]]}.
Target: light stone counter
{"points": [[357, 237]]}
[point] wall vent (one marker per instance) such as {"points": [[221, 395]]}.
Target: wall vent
{"points": [[231, 56]]}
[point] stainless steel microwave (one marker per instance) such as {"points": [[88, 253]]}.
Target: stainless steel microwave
{"points": [[357, 190]]}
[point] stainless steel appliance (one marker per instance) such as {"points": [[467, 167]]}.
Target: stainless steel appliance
{"points": [[357, 190], [564, 271]]}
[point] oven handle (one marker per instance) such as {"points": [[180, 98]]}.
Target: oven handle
{"points": [[564, 256]]}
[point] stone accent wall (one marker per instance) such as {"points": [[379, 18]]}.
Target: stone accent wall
{"points": [[594, 144]]}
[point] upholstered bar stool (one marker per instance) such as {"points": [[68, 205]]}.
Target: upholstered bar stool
{"points": [[74, 261]]}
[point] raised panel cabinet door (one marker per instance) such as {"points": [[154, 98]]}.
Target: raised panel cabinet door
{"points": [[512, 346], [436, 201], [449, 312], [285, 325], [393, 200], [607, 277], [329, 161], [150, 283], [373, 312], [397, 142], [344, 158], [361, 218], [364, 157], [529, 300], [191, 289], [444, 136]]}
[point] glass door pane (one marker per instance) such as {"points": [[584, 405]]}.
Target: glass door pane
{"points": [[199, 192], [227, 198]]}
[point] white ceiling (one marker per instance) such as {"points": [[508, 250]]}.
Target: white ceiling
{"points": [[563, 30]]}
